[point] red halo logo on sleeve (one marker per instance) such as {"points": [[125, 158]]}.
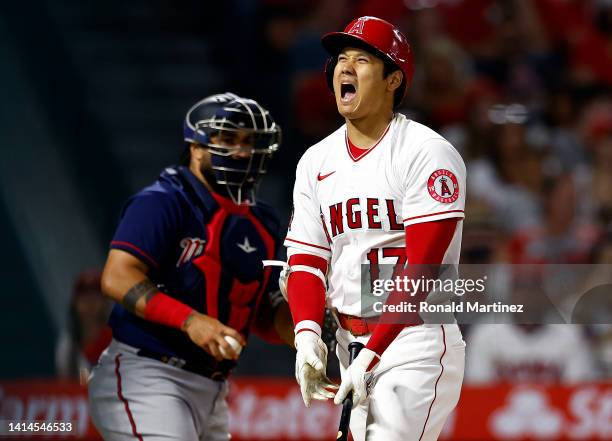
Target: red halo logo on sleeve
{"points": [[443, 186]]}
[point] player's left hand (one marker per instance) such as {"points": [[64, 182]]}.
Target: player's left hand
{"points": [[209, 334], [354, 378]]}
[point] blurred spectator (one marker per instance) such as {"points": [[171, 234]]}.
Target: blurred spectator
{"points": [[594, 305], [443, 96], [597, 131], [561, 237], [482, 241], [479, 129], [423, 25], [87, 334], [526, 347], [566, 145], [527, 353], [509, 179], [482, 244]]}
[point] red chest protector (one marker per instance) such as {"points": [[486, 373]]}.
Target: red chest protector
{"points": [[243, 298]]}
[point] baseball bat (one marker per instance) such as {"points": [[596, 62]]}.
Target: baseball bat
{"points": [[347, 405]]}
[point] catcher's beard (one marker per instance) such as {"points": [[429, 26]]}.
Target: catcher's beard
{"points": [[209, 176], [223, 189]]}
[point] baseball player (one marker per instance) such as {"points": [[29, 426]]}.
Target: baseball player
{"points": [[185, 268], [380, 189]]}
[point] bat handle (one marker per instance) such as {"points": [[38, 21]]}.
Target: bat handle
{"points": [[347, 405], [354, 350]]}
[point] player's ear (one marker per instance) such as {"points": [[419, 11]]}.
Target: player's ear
{"points": [[196, 151], [394, 80]]}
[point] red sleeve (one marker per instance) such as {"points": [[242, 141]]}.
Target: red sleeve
{"points": [[305, 291], [426, 243], [166, 310]]}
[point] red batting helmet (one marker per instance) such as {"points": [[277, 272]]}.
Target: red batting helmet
{"points": [[377, 36]]}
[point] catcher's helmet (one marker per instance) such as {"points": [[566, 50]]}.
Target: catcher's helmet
{"points": [[378, 37], [201, 111], [228, 114]]}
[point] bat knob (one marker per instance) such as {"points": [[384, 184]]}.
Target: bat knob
{"points": [[354, 349]]}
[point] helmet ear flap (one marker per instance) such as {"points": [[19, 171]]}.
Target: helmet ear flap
{"points": [[330, 65]]}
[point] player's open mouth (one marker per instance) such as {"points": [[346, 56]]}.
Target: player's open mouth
{"points": [[347, 92]]}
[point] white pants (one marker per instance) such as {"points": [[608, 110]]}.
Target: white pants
{"points": [[416, 384], [137, 398]]}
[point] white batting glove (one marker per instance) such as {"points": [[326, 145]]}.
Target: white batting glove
{"points": [[355, 378], [310, 364]]}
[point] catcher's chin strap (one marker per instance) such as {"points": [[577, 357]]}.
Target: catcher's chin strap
{"points": [[287, 270]]}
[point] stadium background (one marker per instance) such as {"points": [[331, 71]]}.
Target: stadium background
{"points": [[93, 98]]}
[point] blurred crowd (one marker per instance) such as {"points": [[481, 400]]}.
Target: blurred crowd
{"points": [[523, 89]]}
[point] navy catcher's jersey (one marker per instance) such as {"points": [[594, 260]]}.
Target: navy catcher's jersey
{"points": [[201, 249]]}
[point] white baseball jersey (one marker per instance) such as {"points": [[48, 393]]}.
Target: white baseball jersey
{"points": [[353, 211]]}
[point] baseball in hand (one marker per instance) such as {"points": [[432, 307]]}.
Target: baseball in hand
{"points": [[237, 347]]}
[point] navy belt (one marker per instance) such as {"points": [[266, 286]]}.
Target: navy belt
{"points": [[217, 373]]}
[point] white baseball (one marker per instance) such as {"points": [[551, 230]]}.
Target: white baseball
{"points": [[236, 346]]}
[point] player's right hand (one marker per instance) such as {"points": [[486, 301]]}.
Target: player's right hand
{"points": [[310, 365], [208, 333]]}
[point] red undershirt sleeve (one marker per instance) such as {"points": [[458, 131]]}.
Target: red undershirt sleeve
{"points": [[166, 310], [305, 291], [426, 243]]}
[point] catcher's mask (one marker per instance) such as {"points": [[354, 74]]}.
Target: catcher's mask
{"points": [[241, 136]]}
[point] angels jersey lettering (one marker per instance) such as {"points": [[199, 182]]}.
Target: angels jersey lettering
{"points": [[353, 211]]}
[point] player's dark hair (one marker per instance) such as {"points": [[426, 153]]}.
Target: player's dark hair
{"points": [[388, 69]]}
